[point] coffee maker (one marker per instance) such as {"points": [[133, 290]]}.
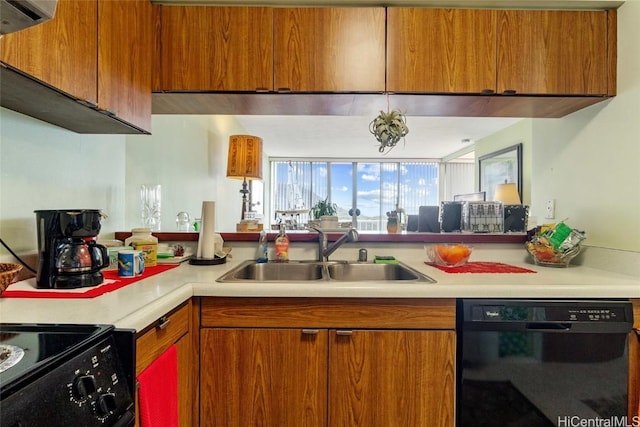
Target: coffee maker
{"points": [[69, 254]]}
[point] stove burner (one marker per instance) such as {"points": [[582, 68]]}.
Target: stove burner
{"points": [[10, 355]]}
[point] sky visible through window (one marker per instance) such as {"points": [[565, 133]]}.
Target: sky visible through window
{"points": [[380, 186]]}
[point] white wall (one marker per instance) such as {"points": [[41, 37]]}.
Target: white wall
{"points": [[519, 133], [187, 156], [46, 167], [589, 161]]}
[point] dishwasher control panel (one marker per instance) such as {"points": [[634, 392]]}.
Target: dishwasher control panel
{"points": [[561, 315], [506, 313]]}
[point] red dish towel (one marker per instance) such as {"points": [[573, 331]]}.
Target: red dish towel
{"points": [[482, 267], [158, 391]]}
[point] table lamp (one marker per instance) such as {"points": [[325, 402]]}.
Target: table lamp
{"points": [[245, 163], [507, 193]]}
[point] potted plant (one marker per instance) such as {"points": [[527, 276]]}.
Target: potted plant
{"points": [[324, 213], [388, 128], [394, 220]]}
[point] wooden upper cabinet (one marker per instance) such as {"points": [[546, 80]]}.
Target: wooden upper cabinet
{"points": [[441, 50], [124, 60], [555, 52], [329, 49], [206, 48], [60, 52]]}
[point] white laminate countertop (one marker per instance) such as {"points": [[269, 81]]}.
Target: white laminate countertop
{"points": [[140, 304]]}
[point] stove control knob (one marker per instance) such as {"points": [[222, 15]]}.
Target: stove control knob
{"points": [[106, 403], [83, 386]]}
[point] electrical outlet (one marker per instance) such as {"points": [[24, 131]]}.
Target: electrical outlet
{"points": [[550, 209]]}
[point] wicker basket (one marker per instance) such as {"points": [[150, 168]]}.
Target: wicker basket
{"points": [[8, 274]]}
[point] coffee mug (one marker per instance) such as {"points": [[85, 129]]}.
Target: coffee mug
{"points": [[130, 263]]}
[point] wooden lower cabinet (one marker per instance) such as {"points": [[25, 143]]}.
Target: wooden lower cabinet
{"points": [[634, 365], [174, 328], [392, 378], [274, 375], [263, 377]]}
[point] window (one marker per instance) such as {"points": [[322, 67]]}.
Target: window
{"points": [[372, 188]]}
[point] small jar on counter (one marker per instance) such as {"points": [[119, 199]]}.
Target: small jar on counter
{"points": [[141, 239]]}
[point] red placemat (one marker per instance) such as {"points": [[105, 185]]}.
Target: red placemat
{"points": [[28, 289], [482, 267]]}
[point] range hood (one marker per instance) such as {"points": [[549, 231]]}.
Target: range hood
{"points": [[16, 15]]}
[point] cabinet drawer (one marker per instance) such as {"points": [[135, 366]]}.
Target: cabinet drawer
{"points": [[167, 330], [399, 313]]}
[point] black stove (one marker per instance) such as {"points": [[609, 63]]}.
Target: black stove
{"points": [[61, 375]]}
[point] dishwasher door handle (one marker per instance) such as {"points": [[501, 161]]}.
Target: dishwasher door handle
{"points": [[546, 326]]}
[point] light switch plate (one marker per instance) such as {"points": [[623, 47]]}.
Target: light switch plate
{"points": [[550, 209]]}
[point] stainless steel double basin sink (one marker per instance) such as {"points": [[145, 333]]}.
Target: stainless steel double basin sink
{"points": [[322, 271]]}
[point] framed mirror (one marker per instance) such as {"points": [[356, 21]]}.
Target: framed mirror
{"points": [[501, 166]]}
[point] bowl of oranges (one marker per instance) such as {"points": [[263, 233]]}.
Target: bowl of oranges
{"points": [[448, 255]]}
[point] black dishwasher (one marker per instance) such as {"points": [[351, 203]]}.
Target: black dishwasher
{"points": [[539, 363]]}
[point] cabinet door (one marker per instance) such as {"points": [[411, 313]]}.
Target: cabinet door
{"points": [[171, 329], [206, 48], [384, 378], [60, 52], [124, 60], [329, 49], [266, 377], [552, 52], [185, 386], [441, 50]]}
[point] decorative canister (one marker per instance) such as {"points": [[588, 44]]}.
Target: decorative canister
{"points": [[141, 239]]}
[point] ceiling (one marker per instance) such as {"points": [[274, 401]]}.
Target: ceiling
{"points": [[349, 136]]}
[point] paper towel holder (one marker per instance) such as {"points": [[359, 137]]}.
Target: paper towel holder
{"points": [[207, 261]]}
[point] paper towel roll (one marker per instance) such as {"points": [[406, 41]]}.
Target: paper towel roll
{"points": [[206, 244]]}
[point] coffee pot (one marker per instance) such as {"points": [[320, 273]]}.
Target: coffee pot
{"points": [[69, 254]]}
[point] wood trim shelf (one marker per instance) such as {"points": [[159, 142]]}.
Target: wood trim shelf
{"points": [[373, 237]]}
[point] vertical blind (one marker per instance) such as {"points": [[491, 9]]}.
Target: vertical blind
{"points": [[380, 187]]}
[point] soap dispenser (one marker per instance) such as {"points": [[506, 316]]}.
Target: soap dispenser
{"points": [[262, 253], [282, 246]]}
